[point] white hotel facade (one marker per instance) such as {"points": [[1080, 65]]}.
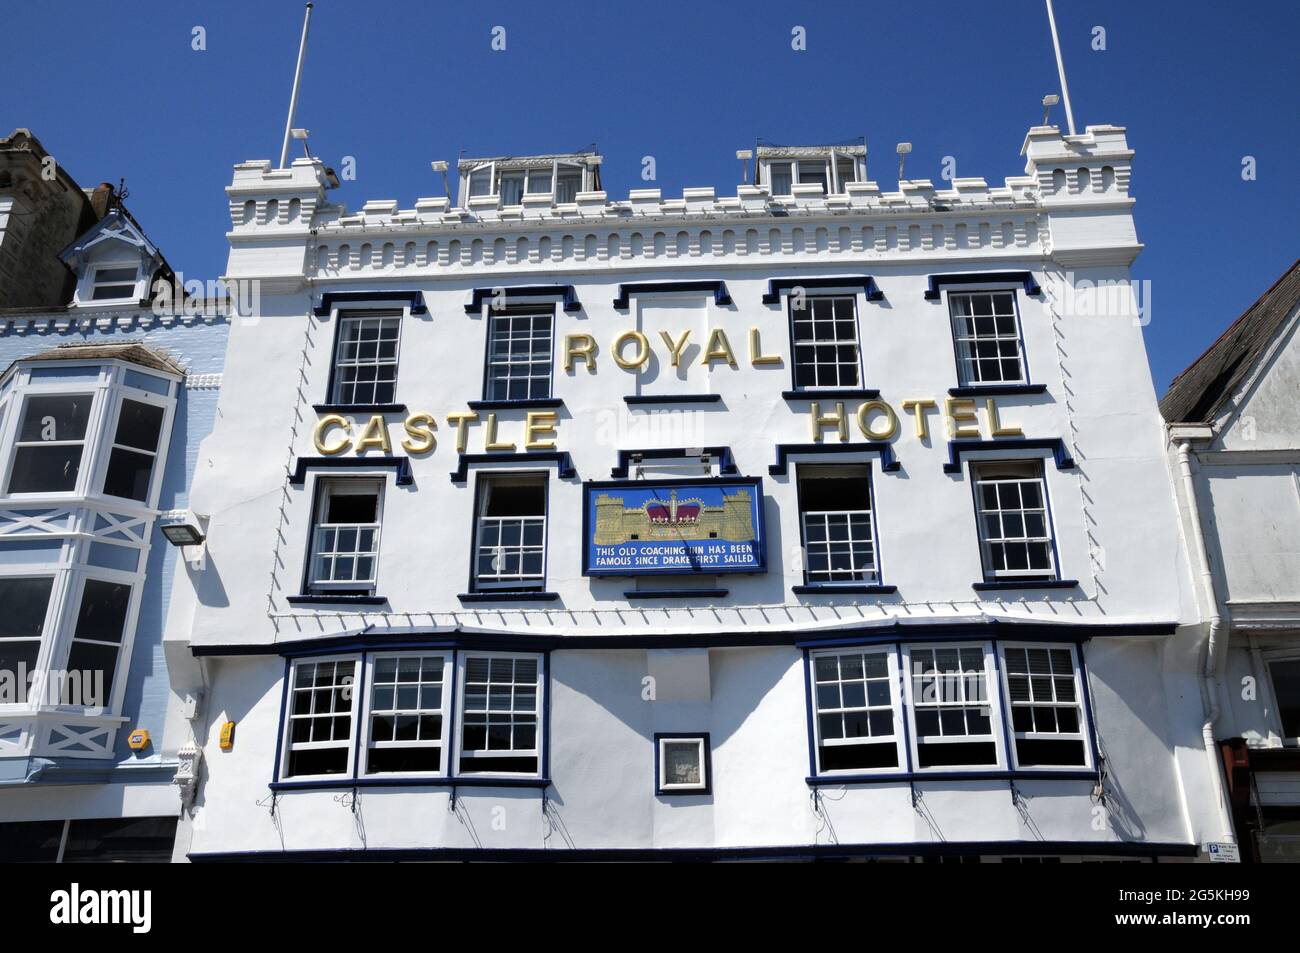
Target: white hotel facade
{"points": [[814, 521]]}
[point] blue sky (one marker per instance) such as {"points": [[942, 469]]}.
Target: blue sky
{"points": [[118, 92]]}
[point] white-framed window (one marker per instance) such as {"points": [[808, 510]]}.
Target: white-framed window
{"points": [[837, 524], [564, 179], [320, 717], [682, 764], [510, 532], [955, 722], [24, 604], [365, 359], [856, 722], [406, 721], [499, 713], [1284, 677], [97, 637], [114, 282], [824, 336], [1044, 695], [345, 536], [134, 449], [831, 173], [986, 331], [519, 354], [50, 443], [1015, 528]]}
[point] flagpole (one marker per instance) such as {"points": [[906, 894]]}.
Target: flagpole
{"points": [[1060, 68], [297, 79]]}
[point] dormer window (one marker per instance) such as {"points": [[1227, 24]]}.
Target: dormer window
{"points": [[114, 282], [510, 181], [780, 171]]}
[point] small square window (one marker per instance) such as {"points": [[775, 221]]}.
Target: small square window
{"points": [[682, 764], [114, 283]]}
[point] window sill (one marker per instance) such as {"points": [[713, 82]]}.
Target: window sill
{"points": [[634, 399], [359, 408], [996, 774], [477, 781], [675, 593], [847, 393], [337, 598], [536, 403], [996, 390], [509, 595], [1000, 584], [863, 589]]}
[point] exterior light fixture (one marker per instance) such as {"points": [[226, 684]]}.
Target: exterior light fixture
{"points": [[301, 136], [184, 533], [1050, 100], [903, 148], [440, 166], [744, 155]]}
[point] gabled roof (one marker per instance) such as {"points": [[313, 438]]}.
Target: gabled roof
{"points": [[1197, 394], [118, 225]]}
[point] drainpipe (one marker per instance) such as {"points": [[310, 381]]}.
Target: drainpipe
{"points": [[1210, 669]]}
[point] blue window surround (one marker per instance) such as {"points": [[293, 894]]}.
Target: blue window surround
{"points": [[707, 790], [869, 291], [956, 448], [560, 458], [634, 399], [934, 289], [564, 292], [532, 403], [776, 287], [675, 593], [1071, 635], [537, 593], [726, 462], [305, 596], [784, 451], [831, 588], [330, 300], [994, 389], [359, 408], [625, 291], [333, 299], [452, 780], [402, 465]]}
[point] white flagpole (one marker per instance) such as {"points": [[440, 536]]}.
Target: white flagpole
{"points": [[1060, 68], [297, 79]]}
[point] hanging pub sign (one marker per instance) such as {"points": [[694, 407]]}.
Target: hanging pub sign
{"points": [[640, 527]]}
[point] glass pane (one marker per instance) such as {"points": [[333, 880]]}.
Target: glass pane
{"points": [[138, 425], [103, 611], [55, 418], [45, 469], [128, 474], [682, 763]]}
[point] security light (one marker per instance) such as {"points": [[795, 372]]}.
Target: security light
{"points": [[903, 148], [182, 534], [301, 136], [440, 166], [744, 155], [1050, 100]]}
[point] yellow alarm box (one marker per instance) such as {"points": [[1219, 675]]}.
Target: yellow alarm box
{"points": [[138, 740], [227, 736]]}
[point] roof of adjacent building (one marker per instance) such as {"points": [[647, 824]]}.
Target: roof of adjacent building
{"points": [[1197, 394], [134, 353]]}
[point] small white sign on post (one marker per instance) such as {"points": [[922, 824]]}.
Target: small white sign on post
{"points": [[1223, 853]]}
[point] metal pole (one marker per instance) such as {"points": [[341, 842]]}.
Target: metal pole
{"points": [[297, 79], [1060, 68]]}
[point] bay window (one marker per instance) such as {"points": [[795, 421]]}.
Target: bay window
{"points": [[322, 703], [96, 642], [50, 443], [24, 601], [1044, 697], [406, 718], [857, 725], [954, 721], [499, 715], [134, 450]]}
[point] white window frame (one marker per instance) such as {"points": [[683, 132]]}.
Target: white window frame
{"points": [[796, 344], [89, 439], [325, 488], [1275, 728], [463, 658], [962, 342], [835, 185], [167, 404], [289, 746], [1079, 705], [67, 630], [661, 754], [85, 296], [487, 480], [890, 651], [814, 471], [368, 714], [992, 700], [509, 362], [497, 170], [45, 648], [978, 482], [361, 318]]}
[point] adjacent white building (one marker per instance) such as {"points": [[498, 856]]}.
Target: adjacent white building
{"points": [[814, 520]]}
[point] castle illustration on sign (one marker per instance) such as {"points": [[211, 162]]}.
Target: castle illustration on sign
{"points": [[673, 519]]}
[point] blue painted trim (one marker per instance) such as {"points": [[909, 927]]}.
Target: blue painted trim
{"points": [[1054, 444], [1001, 584], [1093, 731], [904, 709], [571, 303], [1152, 849], [888, 462], [625, 291], [1004, 707], [401, 464], [359, 408], [675, 593], [827, 780], [997, 390], [634, 399], [809, 713], [332, 299], [284, 708], [829, 589], [528, 457], [726, 462], [439, 781], [776, 287], [537, 403], [508, 595], [934, 290], [341, 598], [707, 790], [845, 393]]}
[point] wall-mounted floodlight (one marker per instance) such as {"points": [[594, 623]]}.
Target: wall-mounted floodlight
{"points": [[1050, 100], [183, 533], [744, 155], [440, 167], [903, 149]]}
